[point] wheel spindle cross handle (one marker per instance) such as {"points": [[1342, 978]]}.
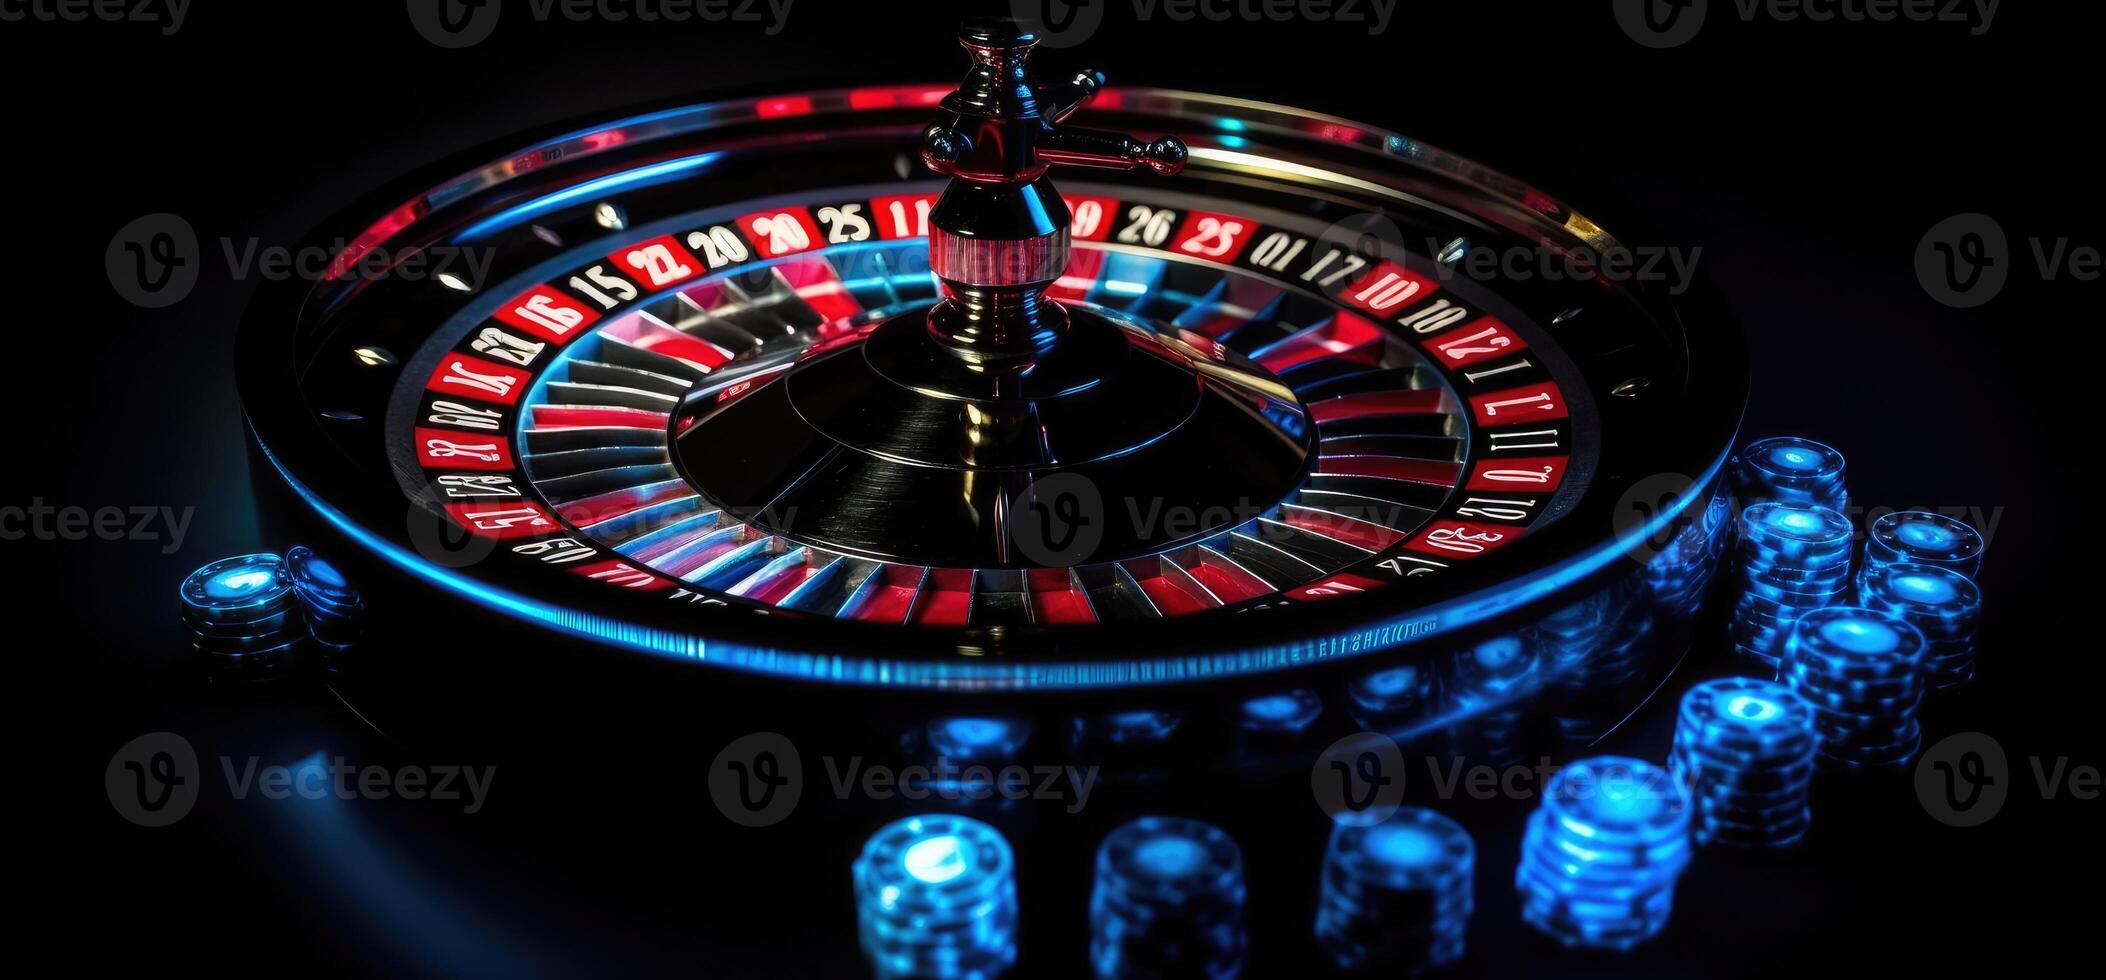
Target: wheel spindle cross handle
{"points": [[999, 234]]}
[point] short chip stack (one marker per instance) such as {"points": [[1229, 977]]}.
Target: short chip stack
{"points": [[1600, 857], [1745, 750], [242, 615], [1862, 671], [1794, 559], [335, 614], [1397, 896], [1942, 603]]}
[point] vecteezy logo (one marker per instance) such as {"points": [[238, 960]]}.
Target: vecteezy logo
{"points": [[1058, 520], [757, 779], [1661, 23], [1641, 506], [153, 779], [455, 23], [1359, 780], [449, 545], [1963, 780], [1964, 260], [1059, 24], [153, 262]]}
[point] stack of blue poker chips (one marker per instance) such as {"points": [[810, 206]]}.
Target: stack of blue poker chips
{"points": [[242, 615], [1794, 559], [1487, 684], [1921, 537], [1168, 901], [1790, 470], [1744, 749], [1680, 576], [1600, 857], [1942, 603], [1394, 698], [1862, 671], [936, 897], [1397, 895], [965, 752], [335, 614]]}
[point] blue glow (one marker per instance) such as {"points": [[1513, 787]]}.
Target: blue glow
{"points": [[1276, 707], [1748, 707], [1501, 652], [1170, 857], [1861, 635], [1404, 846], [1923, 588], [1925, 535], [657, 173], [235, 585], [936, 860], [974, 732], [1796, 458], [326, 574], [238, 590], [1392, 682]]}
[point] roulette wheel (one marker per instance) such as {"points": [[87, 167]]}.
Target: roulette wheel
{"points": [[922, 421]]}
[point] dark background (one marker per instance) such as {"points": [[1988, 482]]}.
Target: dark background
{"points": [[1806, 159]]}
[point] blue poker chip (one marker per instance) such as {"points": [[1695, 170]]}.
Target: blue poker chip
{"points": [[317, 577], [1495, 667], [1797, 530], [1746, 714], [1789, 466], [1393, 691], [1126, 728], [936, 896], [239, 589], [1289, 712], [1857, 643], [1927, 538], [1415, 849], [977, 739], [1617, 803], [1171, 863]]}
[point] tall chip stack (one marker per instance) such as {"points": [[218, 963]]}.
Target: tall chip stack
{"points": [[1168, 901], [1397, 896], [1794, 558], [1863, 672], [1744, 748], [936, 897], [1601, 856], [243, 618], [1942, 603], [335, 613]]}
